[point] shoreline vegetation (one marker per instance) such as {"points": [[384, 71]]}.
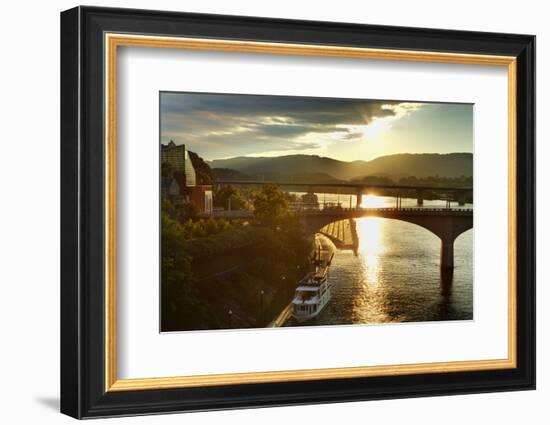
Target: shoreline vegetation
{"points": [[220, 274]]}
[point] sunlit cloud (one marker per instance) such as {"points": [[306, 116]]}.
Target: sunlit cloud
{"points": [[403, 108], [221, 126], [379, 124]]}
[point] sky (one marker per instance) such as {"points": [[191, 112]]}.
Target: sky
{"points": [[217, 126]]}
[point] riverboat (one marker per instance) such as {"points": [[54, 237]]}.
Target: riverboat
{"points": [[313, 291]]}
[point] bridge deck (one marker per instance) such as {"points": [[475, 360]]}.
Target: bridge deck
{"points": [[386, 210], [353, 212], [341, 185]]}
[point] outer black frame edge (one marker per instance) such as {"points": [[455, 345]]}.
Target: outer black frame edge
{"points": [[526, 208], [82, 203], [70, 140]]}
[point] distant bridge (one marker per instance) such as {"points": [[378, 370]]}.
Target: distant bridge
{"points": [[445, 223], [356, 188]]}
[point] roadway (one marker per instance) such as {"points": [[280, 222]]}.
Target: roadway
{"points": [[355, 212], [341, 185]]}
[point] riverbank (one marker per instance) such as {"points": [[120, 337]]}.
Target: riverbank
{"points": [[241, 277]]}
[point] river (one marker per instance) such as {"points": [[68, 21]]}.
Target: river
{"points": [[395, 274]]}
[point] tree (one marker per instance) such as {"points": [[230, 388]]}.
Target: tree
{"points": [[180, 305], [270, 205], [188, 211], [210, 227], [168, 208], [229, 195], [202, 169]]}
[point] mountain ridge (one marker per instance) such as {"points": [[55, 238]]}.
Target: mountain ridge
{"points": [[400, 165]]}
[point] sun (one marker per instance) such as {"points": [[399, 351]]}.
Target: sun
{"points": [[372, 201]]}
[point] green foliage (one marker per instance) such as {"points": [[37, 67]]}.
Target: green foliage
{"points": [[229, 195], [203, 171], [188, 211], [180, 305], [235, 265], [209, 266], [195, 229], [270, 205], [168, 208]]}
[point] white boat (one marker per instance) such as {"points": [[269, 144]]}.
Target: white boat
{"points": [[313, 291]]}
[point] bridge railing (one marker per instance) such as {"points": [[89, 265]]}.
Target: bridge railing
{"points": [[341, 210], [324, 211]]}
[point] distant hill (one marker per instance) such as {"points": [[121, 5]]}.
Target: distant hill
{"points": [[420, 165], [283, 165], [391, 166], [229, 174]]}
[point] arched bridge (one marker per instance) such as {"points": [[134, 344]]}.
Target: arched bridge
{"points": [[460, 194], [445, 223]]}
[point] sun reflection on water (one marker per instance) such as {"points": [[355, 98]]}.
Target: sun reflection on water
{"points": [[370, 247], [369, 303]]}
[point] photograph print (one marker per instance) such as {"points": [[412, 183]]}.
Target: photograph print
{"points": [[283, 211]]}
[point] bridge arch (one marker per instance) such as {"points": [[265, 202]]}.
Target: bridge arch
{"points": [[446, 226]]}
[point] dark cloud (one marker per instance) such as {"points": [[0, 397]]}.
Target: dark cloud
{"points": [[227, 125], [299, 109], [352, 136]]}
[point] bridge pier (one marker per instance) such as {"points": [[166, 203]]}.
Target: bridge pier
{"points": [[447, 256], [398, 201], [358, 198], [462, 199], [447, 232], [419, 197]]}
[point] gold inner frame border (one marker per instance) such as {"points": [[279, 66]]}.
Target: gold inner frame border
{"points": [[112, 41]]}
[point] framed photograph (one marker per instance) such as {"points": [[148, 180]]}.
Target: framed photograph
{"points": [[261, 212]]}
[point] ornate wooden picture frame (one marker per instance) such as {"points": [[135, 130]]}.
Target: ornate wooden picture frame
{"points": [[90, 41]]}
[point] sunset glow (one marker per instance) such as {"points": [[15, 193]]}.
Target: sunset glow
{"points": [[224, 126], [372, 201]]}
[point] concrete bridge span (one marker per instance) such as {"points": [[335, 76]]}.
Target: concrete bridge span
{"points": [[447, 224], [459, 194]]}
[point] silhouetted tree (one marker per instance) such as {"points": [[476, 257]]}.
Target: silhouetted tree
{"points": [[270, 205], [180, 305], [226, 194]]}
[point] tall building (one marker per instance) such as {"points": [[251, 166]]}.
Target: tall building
{"points": [[179, 185], [178, 158]]}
